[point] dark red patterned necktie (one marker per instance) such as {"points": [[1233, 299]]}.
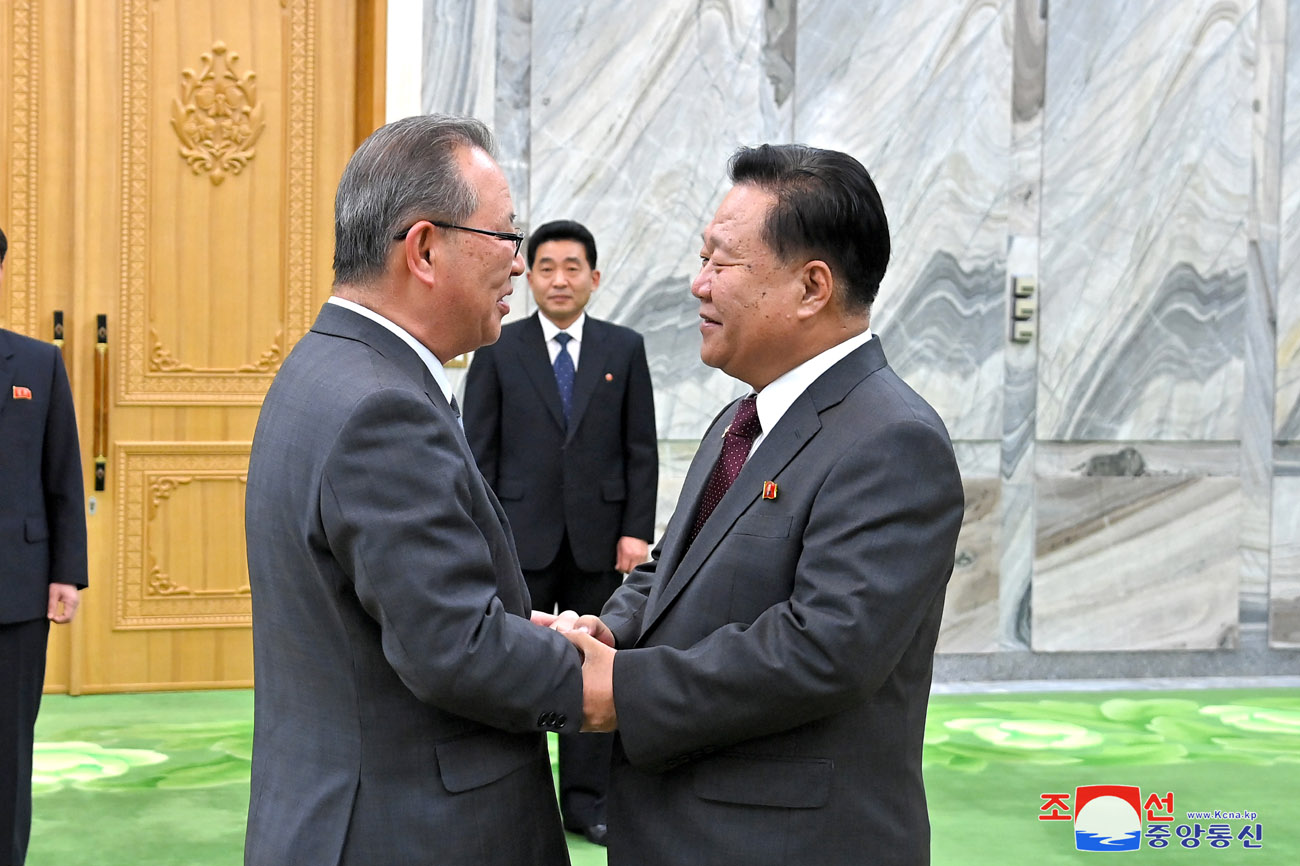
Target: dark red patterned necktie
{"points": [[736, 442]]}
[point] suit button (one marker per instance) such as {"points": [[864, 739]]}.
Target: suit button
{"points": [[543, 721], [560, 720]]}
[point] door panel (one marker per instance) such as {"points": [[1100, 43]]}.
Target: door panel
{"points": [[188, 157]]}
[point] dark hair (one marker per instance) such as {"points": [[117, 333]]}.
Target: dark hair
{"points": [[562, 230], [826, 208], [404, 172], [4, 246]]}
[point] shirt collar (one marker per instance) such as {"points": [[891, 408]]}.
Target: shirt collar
{"points": [[429, 359], [779, 396], [550, 329]]}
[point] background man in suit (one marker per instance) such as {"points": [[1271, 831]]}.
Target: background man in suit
{"points": [[560, 415], [402, 693], [43, 564], [774, 660]]}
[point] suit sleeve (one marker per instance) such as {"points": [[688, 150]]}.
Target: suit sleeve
{"points": [[876, 553], [641, 448], [624, 612], [65, 510], [482, 413], [399, 516]]}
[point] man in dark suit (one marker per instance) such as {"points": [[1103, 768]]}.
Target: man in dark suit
{"points": [[774, 659], [402, 694], [43, 564], [560, 415]]}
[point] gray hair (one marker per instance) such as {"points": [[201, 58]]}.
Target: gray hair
{"points": [[403, 172]]}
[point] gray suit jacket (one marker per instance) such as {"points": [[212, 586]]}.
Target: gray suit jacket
{"points": [[401, 695], [773, 683]]}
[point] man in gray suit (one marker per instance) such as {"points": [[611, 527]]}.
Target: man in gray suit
{"points": [[402, 693], [773, 661]]}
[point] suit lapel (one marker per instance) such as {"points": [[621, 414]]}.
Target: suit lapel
{"points": [[679, 526], [797, 427], [591, 365], [536, 361], [799, 424]]}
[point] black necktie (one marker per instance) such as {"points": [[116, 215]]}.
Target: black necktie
{"points": [[736, 442]]}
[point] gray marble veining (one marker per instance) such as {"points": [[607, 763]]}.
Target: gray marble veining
{"points": [[1287, 411], [1136, 563], [634, 112], [1284, 587], [1130, 471], [923, 99], [1146, 174], [460, 58], [1259, 390]]}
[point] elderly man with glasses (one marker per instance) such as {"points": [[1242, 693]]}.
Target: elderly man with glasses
{"points": [[402, 694]]}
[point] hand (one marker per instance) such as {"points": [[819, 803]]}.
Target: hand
{"points": [[631, 553], [568, 621], [597, 682], [65, 595]]}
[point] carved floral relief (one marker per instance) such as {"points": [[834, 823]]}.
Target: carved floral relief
{"points": [[217, 116]]}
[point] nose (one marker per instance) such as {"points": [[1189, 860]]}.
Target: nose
{"points": [[517, 264], [700, 285]]}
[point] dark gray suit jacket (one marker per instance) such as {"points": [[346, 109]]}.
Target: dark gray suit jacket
{"points": [[401, 695], [596, 479], [774, 678], [42, 506]]}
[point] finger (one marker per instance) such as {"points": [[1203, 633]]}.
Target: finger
{"points": [[543, 619], [587, 645], [564, 622], [574, 637], [597, 629]]}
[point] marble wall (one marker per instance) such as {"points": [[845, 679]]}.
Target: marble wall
{"points": [[1132, 469]]}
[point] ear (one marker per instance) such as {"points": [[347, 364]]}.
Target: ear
{"points": [[420, 252], [595, 279], [818, 288]]}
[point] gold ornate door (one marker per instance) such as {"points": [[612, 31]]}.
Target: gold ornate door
{"points": [[179, 208]]}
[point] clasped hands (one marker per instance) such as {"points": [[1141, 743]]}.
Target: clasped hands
{"points": [[595, 644]]}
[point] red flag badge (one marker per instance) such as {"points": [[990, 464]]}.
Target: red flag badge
{"points": [[769, 489], [21, 393]]}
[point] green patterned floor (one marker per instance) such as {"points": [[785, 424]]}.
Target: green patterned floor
{"points": [[163, 778]]}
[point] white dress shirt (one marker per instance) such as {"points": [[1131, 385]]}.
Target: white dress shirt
{"points": [[550, 329], [779, 396]]}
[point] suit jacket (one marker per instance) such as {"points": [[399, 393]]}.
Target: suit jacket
{"points": [[598, 478], [772, 694], [401, 693], [42, 508]]}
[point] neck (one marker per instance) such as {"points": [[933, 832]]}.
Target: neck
{"points": [[383, 300]]}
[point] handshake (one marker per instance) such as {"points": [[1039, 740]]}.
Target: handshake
{"points": [[595, 644]]}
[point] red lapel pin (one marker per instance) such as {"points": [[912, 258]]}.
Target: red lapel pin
{"points": [[609, 377], [769, 489], [21, 393]]}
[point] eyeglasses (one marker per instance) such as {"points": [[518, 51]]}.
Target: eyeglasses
{"points": [[513, 237]]}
